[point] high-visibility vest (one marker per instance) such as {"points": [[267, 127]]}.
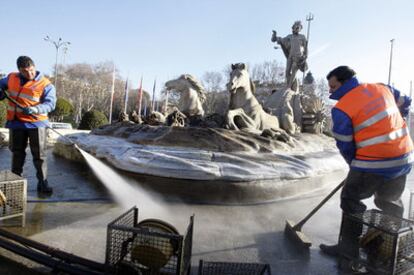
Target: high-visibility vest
{"points": [[27, 95], [380, 132]]}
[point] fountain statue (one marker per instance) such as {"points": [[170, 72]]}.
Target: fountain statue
{"points": [[245, 112], [192, 94], [295, 48]]}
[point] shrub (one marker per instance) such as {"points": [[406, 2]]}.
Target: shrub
{"points": [[92, 119], [70, 119], [3, 112], [63, 108]]}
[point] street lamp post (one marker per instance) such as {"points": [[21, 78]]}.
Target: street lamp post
{"points": [[57, 45], [65, 52], [389, 70]]}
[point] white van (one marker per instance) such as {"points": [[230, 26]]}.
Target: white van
{"points": [[60, 125]]}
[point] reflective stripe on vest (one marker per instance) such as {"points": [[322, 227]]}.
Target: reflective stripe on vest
{"points": [[382, 164], [374, 119], [380, 132], [384, 138], [344, 138], [18, 110], [31, 98]]}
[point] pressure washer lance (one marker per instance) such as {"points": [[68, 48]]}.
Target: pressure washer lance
{"points": [[47, 126]]}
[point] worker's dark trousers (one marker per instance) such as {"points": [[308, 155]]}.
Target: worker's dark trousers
{"points": [[18, 142], [362, 185]]}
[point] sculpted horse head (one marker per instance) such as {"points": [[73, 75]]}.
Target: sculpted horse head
{"points": [[192, 94], [239, 78], [241, 87]]}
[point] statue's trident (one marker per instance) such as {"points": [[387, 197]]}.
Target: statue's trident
{"points": [[309, 18]]}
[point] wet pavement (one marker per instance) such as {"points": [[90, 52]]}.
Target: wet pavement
{"points": [[74, 219]]}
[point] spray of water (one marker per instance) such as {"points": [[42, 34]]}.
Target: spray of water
{"points": [[125, 193]]}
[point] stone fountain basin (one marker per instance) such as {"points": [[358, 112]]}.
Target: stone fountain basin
{"points": [[233, 166]]}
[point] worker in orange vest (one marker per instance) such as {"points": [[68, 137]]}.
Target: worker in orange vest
{"points": [[28, 120], [371, 134]]}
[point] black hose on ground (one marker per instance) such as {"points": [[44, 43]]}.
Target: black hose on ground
{"points": [[105, 200]]}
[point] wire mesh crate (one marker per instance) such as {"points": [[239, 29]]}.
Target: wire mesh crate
{"points": [[229, 268], [13, 194], [133, 248], [385, 245], [411, 206]]}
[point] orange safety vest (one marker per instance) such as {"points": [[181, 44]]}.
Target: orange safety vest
{"points": [[27, 95], [380, 132]]}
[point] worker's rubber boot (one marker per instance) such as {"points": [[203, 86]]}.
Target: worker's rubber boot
{"points": [[331, 250], [349, 236], [44, 188], [349, 246]]}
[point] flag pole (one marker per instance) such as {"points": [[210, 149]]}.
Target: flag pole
{"points": [[126, 96], [140, 98], [145, 108], [112, 95], [166, 102], [153, 95]]}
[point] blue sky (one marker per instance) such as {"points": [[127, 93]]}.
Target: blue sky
{"points": [[164, 39]]}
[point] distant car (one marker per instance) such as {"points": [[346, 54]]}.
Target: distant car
{"points": [[60, 125]]}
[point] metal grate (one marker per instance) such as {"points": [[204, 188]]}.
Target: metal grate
{"points": [[13, 194], [227, 268], [411, 206], [135, 249], [187, 248], [390, 224], [386, 244]]}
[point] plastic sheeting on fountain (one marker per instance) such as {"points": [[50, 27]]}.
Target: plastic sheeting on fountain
{"points": [[206, 153]]}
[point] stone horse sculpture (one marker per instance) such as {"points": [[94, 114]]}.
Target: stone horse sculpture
{"points": [[192, 94], [245, 112]]}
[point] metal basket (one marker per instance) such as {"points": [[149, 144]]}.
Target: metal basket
{"points": [[134, 249], [228, 268], [411, 206], [13, 197], [386, 245]]}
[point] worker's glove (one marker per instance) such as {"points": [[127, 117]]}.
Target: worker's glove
{"points": [[30, 111]]}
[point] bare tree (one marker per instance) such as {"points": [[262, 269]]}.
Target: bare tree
{"points": [[216, 97], [88, 86], [212, 81], [173, 99], [322, 90], [268, 73], [217, 102]]}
